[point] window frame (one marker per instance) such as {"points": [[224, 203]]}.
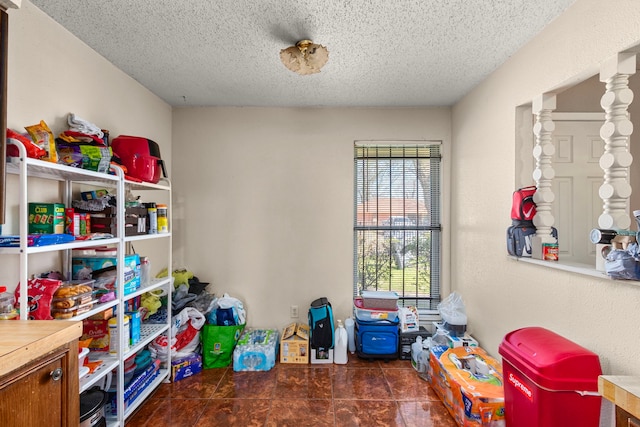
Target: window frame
{"points": [[434, 225]]}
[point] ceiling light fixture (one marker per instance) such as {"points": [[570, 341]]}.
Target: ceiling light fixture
{"points": [[306, 57]]}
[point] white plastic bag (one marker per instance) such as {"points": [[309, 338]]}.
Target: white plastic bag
{"points": [[238, 308], [452, 310]]}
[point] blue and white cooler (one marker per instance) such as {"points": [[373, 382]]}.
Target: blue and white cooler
{"points": [[376, 330]]}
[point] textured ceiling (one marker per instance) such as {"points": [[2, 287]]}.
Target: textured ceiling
{"points": [[381, 52]]}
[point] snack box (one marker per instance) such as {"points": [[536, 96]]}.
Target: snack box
{"points": [[186, 366], [256, 350], [46, 218], [83, 267], [98, 331], [470, 384], [294, 345]]}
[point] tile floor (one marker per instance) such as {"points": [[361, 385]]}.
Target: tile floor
{"points": [[360, 393]]}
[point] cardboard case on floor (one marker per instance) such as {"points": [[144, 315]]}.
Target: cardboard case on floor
{"points": [[469, 382], [294, 344]]}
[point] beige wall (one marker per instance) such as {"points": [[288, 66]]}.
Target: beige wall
{"points": [[264, 199], [502, 294], [51, 74]]}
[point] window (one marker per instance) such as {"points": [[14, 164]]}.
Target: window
{"points": [[397, 224]]}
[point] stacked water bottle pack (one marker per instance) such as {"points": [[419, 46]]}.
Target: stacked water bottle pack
{"points": [[256, 350]]}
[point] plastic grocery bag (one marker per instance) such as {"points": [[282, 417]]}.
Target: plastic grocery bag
{"points": [[218, 343], [226, 311], [452, 310], [623, 263]]}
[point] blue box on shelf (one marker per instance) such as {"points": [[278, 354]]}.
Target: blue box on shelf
{"points": [[84, 267]]}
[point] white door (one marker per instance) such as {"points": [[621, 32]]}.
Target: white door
{"points": [[578, 177]]}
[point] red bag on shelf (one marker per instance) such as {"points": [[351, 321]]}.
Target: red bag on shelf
{"points": [[39, 294], [523, 208]]}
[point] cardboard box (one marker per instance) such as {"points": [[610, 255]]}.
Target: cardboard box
{"points": [[103, 315], [82, 267], [408, 338], [46, 218], [186, 366], [98, 331], [444, 337], [470, 384], [105, 221], [409, 320], [135, 322], [294, 345]]}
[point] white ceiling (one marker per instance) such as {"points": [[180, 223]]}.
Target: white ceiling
{"points": [[382, 53]]}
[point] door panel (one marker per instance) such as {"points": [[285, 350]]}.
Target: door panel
{"points": [[577, 179]]}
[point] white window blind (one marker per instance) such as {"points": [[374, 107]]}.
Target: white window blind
{"points": [[397, 228]]}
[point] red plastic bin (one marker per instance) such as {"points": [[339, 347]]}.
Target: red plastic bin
{"points": [[548, 380]]}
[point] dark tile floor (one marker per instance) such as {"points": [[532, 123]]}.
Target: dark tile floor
{"points": [[360, 393]]}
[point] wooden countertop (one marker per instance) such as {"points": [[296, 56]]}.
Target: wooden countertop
{"points": [[22, 341], [623, 391]]}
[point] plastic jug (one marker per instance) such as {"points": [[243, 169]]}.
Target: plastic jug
{"points": [[7, 303], [340, 348], [416, 348], [351, 338]]}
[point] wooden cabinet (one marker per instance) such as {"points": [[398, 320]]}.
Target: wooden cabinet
{"points": [[625, 419], [39, 373]]}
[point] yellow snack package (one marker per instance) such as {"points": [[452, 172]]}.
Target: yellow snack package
{"points": [[43, 138]]}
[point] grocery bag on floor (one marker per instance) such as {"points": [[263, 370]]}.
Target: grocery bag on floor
{"points": [[218, 343]]}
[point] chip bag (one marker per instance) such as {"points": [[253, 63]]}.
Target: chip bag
{"points": [[33, 151], [40, 293], [43, 137]]}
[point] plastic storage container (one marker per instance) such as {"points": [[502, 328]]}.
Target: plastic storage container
{"points": [[7, 304], [387, 300], [366, 314], [548, 380]]}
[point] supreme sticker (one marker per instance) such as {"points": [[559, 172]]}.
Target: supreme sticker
{"points": [[520, 386]]}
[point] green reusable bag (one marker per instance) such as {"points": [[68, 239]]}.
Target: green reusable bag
{"points": [[218, 343]]}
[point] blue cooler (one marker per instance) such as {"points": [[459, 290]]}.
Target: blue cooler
{"points": [[377, 339]]}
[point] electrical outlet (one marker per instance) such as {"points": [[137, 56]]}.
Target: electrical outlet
{"points": [[293, 311]]}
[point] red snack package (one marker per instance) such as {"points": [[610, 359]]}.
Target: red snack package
{"points": [[39, 293], [33, 150]]}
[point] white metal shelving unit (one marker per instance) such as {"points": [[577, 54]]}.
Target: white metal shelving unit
{"points": [[27, 168]]}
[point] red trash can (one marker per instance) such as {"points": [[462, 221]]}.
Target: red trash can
{"points": [[548, 380]]}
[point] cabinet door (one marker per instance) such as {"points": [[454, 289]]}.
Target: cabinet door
{"points": [[625, 419], [39, 393]]}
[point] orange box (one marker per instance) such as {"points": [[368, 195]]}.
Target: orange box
{"points": [[98, 331], [470, 384]]}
